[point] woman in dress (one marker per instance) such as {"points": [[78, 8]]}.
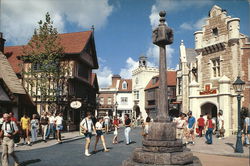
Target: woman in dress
{"points": [[34, 128], [99, 134]]}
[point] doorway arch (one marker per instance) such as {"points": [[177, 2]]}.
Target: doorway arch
{"points": [[210, 109]]}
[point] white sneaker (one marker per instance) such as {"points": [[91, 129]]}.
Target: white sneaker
{"points": [[87, 154]]}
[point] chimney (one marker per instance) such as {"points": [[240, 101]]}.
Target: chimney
{"points": [[114, 80], [2, 41]]}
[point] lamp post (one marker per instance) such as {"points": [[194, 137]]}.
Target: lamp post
{"points": [[239, 87], [116, 105]]}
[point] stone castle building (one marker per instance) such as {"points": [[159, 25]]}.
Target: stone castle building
{"points": [[207, 72]]}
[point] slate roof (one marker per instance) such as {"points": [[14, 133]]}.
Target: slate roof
{"points": [[9, 76]]}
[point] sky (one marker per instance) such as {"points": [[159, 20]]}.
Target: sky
{"points": [[123, 28]]}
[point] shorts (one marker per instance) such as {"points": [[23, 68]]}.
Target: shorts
{"points": [[99, 132], [88, 135], [248, 130], [191, 130], [59, 127]]}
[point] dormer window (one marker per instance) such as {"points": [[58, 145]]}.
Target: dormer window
{"points": [[215, 31], [154, 80], [124, 85]]}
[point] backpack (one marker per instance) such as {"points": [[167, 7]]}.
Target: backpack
{"points": [[16, 137]]}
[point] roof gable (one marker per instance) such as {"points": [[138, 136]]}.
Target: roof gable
{"points": [[171, 80], [9, 76], [129, 85], [73, 43]]}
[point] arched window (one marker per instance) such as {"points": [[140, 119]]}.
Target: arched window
{"points": [[124, 85]]}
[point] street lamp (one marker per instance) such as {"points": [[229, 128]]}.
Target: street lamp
{"points": [[239, 86], [116, 105]]}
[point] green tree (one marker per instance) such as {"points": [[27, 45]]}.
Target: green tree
{"points": [[45, 72]]}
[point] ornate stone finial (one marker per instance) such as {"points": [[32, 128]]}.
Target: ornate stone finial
{"points": [[162, 15]]}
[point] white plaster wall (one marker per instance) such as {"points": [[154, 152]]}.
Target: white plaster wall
{"points": [[144, 75]]}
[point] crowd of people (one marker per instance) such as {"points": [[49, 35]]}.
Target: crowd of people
{"points": [[28, 128], [187, 127], [103, 124]]}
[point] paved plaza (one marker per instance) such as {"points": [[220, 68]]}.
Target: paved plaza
{"points": [[70, 153]]}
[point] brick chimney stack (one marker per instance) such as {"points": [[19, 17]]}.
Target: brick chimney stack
{"points": [[2, 41], [115, 78]]}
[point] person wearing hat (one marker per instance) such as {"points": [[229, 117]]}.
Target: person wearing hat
{"points": [[9, 129]]}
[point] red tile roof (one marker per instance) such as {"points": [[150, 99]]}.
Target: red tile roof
{"points": [[12, 53], [72, 43], [129, 85], [171, 80]]}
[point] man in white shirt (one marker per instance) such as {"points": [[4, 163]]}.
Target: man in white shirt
{"points": [[106, 123], [87, 128], [9, 129], [180, 121], [51, 127], [59, 126]]}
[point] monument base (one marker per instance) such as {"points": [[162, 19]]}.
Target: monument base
{"points": [[161, 148]]}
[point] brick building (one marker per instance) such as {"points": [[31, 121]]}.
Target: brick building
{"points": [[116, 99], [152, 95], [204, 83]]}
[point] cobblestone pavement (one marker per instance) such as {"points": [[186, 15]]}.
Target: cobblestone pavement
{"points": [[70, 153]]}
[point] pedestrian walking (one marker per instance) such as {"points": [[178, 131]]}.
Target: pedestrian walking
{"points": [[12, 118], [106, 123], [191, 126], [210, 127], [99, 134], [127, 130], [116, 126], [34, 128], [25, 125], [201, 125], [146, 126], [87, 128], [1, 124], [59, 126], [246, 131], [44, 121], [221, 124], [180, 125], [51, 127], [9, 129]]}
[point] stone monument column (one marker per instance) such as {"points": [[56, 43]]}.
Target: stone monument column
{"points": [[160, 146]]}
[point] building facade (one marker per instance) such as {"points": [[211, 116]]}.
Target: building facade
{"points": [[152, 95], [116, 100], [204, 81], [140, 78], [79, 82], [13, 97]]}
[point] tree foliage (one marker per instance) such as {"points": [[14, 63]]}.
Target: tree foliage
{"points": [[44, 53]]}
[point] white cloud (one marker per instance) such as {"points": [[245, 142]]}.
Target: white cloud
{"points": [[153, 54], [104, 76], [186, 26], [130, 66], [193, 26], [173, 6], [20, 17], [200, 23]]}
